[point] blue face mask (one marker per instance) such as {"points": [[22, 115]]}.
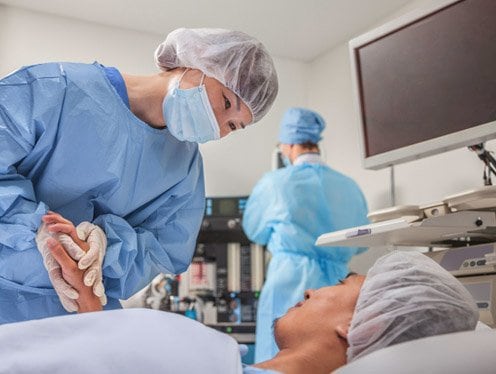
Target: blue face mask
{"points": [[285, 160], [189, 115]]}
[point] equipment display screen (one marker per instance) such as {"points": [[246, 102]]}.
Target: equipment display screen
{"points": [[225, 206]]}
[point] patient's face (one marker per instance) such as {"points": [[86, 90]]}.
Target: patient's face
{"points": [[323, 317]]}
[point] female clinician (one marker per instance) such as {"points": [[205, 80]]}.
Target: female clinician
{"points": [[116, 155]]}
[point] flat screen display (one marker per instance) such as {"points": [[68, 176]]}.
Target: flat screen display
{"points": [[428, 78]]}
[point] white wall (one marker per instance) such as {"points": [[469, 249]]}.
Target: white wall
{"points": [[232, 165], [417, 182], [30, 37]]}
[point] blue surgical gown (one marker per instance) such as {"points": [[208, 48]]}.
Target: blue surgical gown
{"points": [[69, 143], [287, 210]]}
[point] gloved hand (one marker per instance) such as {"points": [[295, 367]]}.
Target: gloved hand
{"points": [[66, 293], [86, 243], [93, 259]]}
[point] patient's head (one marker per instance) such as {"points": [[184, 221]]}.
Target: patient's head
{"points": [[322, 318], [405, 296]]}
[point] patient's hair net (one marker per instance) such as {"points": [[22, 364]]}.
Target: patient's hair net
{"points": [[237, 60], [407, 296], [300, 125]]}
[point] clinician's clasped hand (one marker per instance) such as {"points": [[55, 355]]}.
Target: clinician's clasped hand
{"points": [[85, 244]]}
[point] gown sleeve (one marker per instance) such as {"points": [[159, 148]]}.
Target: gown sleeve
{"points": [[263, 211], [163, 242], [29, 104]]}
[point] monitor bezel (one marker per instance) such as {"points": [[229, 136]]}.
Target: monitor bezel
{"points": [[473, 135]]}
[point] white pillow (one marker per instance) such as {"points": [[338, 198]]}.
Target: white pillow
{"points": [[462, 352], [119, 341]]}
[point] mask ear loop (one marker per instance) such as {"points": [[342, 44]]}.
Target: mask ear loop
{"points": [[181, 77]]}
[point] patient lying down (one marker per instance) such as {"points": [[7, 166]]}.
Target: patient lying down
{"points": [[404, 296]]}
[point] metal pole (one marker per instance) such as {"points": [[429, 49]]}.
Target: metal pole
{"points": [[392, 194]]}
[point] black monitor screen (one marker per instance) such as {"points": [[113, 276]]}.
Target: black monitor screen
{"points": [[430, 78]]}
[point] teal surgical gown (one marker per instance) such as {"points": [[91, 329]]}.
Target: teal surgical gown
{"points": [[68, 143], [287, 210]]}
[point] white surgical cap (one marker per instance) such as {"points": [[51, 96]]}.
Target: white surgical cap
{"points": [[235, 59], [407, 296]]}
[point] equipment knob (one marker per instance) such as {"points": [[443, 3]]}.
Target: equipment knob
{"points": [[232, 223], [205, 224]]}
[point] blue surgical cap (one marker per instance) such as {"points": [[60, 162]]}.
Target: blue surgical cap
{"points": [[301, 125]]}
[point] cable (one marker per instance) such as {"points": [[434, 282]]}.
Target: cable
{"points": [[489, 162]]}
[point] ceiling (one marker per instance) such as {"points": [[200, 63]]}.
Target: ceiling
{"points": [[295, 29]]}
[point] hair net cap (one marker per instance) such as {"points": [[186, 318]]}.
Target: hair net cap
{"points": [[301, 125], [237, 60], [407, 296]]}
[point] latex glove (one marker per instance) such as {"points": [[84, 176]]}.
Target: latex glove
{"points": [[65, 292], [93, 259]]}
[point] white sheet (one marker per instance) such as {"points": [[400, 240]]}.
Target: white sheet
{"points": [[140, 341]]}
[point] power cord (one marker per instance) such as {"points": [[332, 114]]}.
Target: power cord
{"points": [[489, 162]]}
